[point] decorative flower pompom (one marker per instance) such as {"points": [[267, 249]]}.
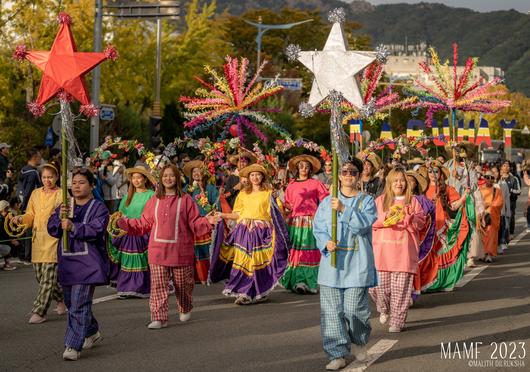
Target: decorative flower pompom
{"points": [[337, 15], [64, 18], [20, 52], [111, 52], [65, 96], [89, 110], [36, 108]]}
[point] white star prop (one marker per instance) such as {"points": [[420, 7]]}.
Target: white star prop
{"points": [[335, 68]]}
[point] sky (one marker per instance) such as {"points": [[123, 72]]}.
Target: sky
{"points": [[478, 5]]}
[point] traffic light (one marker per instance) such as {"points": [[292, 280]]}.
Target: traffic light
{"points": [[155, 135]]}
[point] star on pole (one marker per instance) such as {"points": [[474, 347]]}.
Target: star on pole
{"points": [[335, 67], [64, 68]]}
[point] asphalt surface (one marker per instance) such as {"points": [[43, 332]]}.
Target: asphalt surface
{"points": [[284, 333]]}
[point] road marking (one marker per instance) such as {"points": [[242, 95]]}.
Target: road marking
{"points": [[470, 275], [374, 353], [518, 238], [106, 298], [520, 220]]}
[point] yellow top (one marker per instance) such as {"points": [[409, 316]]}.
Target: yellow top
{"points": [[41, 205], [253, 206]]}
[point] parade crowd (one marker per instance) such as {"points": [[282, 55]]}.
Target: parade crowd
{"points": [[404, 229]]}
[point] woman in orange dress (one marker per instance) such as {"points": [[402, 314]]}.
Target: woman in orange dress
{"points": [[493, 201], [450, 237]]}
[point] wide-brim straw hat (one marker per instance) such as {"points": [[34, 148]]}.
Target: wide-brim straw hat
{"points": [[375, 160], [245, 172], [416, 160], [424, 172], [234, 159], [189, 166], [420, 180], [141, 170], [293, 163], [437, 164]]}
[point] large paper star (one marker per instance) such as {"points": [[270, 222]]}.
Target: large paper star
{"points": [[63, 67], [335, 68]]}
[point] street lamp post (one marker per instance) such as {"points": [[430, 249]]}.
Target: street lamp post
{"points": [[262, 28]]}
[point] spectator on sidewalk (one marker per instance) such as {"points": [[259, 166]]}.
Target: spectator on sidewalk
{"points": [[28, 180], [4, 160]]}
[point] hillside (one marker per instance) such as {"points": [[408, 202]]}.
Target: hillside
{"points": [[500, 38]]}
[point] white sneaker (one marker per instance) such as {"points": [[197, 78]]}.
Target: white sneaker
{"points": [[360, 352], [394, 329], [504, 246], [499, 249], [157, 324], [184, 317], [383, 318], [336, 364], [90, 341], [488, 259], [71, 354]]}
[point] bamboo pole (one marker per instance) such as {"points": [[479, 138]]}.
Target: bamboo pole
{"points": [[65, 120]]}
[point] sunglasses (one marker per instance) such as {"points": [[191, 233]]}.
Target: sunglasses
{"points": [[489, 177], [434, 171], [349, 172]]}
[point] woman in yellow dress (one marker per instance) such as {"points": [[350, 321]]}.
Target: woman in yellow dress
{"points": [[42, 203], [254, 255]]}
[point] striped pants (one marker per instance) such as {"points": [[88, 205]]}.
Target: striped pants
{"points": [[392, 295], [49, 289], [183, 280], [81, 321], [344, 319]]}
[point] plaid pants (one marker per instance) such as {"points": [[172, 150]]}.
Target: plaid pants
{"points": [[49, 289], [392, 295], [184, 282], [344, 319], [81, 321]]}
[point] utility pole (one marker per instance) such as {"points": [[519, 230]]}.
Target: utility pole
{"points": [[96, 75]]}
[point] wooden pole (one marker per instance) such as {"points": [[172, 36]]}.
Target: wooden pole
{"points": [[334, 194], [66, 117]]}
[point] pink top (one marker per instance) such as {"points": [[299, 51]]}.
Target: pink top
{"points": [[396, 247], [173, 223], [303, 197]]}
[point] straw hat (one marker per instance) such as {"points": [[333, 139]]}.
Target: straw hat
{"points": [[52, 167], [437, 164], [188, 168], [143, 171], [293, 163], [234, 159], [420, 180], [416, 160], [245, 172], [424, 172], [375, 160]]}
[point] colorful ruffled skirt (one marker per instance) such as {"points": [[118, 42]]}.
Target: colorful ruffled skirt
{"points": [[129, 253], [452, 247], [251, 258], [304, 256], [202, 257]]}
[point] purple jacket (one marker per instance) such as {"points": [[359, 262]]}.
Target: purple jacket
{"points": [[86, 261]]}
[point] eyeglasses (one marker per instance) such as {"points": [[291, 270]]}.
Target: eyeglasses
{"points": [[434, 171], [349, 172]]}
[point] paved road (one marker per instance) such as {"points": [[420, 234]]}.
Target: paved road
{"points": [[283, 334]]}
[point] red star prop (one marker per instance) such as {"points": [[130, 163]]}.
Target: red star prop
{"points": [[64, 69]]}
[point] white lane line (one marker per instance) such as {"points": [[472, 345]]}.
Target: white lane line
{"points": [[521, 235], [470, 275], [106, 298], [520, 220], [374, 353]]}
